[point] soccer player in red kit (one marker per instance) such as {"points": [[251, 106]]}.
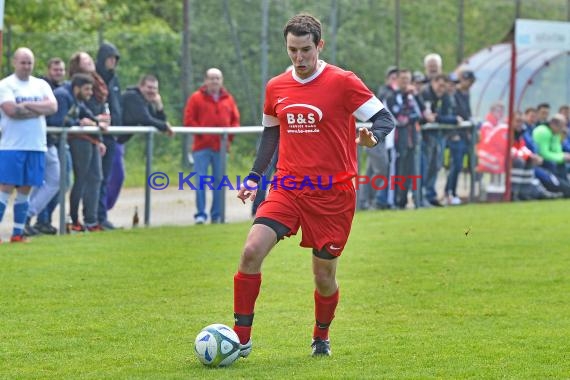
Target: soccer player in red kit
{"points": [[310, 114]]}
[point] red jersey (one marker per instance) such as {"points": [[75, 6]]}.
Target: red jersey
{"points": [[316, 117]]}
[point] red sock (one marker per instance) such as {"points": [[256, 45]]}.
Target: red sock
{"points": [[324, 313], [246, 290]]}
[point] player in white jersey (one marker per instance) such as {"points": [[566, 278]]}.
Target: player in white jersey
{"points": [[24, 102]]}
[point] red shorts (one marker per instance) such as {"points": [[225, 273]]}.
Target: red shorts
{"points": [[325, 216]]}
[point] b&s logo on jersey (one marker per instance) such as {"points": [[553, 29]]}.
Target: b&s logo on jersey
{"points": [[302, 118]]}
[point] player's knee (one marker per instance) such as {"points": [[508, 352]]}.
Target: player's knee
{"points": [[324, 277], [253, 254]]}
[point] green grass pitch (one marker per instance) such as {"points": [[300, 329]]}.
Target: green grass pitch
{"points": [[471, 292]]}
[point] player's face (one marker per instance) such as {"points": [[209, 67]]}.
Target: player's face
{"points": [[23, 65], [543, 113], [518, 123], [531, 117], [304, 54], [56, 72], [149, 90], [111, 63], [214, 81], [432, 68], [86, 63], [439, 87], [86, 91], [404, 80]]}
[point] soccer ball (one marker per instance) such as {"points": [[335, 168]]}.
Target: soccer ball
{"points": [[217, 345]]}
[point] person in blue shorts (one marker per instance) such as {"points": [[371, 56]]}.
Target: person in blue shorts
{"points": [[24, 102]]}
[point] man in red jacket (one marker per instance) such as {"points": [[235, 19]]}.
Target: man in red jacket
{"points": [[210, 106]]}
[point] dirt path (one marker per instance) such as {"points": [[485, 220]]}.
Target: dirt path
{"points": [[168, 207]]}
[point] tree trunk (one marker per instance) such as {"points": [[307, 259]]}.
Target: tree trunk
{"points": [[334, 30], [237, 47], [264, 49], [187, 81], [460, 31]]}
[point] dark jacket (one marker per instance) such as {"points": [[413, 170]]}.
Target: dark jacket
{"points": [[137, 111], [50, 137], [111, 80], [407, 113], [69, 112], [440, 106]]}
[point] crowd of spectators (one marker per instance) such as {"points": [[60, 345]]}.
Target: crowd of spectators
{"points": [[89, 95], [421, 103]]}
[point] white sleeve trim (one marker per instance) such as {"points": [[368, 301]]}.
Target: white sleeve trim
{"points": [[370, 108], [269, 121]]}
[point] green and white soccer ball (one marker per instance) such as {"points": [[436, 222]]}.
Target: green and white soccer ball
{"points": [[217, 345]]}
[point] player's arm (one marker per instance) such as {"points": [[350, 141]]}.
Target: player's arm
{"points": [[46, 106], [382, 124], [17, 110], [267, 146]]}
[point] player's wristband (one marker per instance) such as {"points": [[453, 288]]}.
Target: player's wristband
{"points": [[255, 177]]}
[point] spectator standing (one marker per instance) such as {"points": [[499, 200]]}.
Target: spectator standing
{"points": [[44, 198], [86, 150], [140, 105], [55, 75], [390, 83], [82, 62], [210, 106], [24, 102], [107, 61], [437, 109], [379, 159], [433, 66], [458, 140], [404, 105]]}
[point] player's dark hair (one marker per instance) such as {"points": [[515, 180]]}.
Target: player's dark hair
{"points": [[529, 110], [400, 71], [147, 78], [54, 61], [543, 105], [303, 24], [79, 80], [439, 77]]}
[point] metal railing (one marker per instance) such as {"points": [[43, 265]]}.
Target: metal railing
{"points": [[225, 132], [149, 132]]}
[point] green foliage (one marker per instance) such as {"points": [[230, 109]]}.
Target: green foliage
{"points": [[419, 299], [148, 35]]}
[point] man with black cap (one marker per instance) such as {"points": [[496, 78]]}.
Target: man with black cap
{"points": [[390, 83]]}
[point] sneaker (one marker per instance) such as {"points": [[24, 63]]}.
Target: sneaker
{"points": [[200, 220], [321, 347], [19, 239], [435, 202], [77, 227], [95, 228], [245, 349], [106, 225], [30, 231], [45, 228], [454, 201]]}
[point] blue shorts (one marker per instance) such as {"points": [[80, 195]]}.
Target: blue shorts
{"points": [[22, 167]]}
